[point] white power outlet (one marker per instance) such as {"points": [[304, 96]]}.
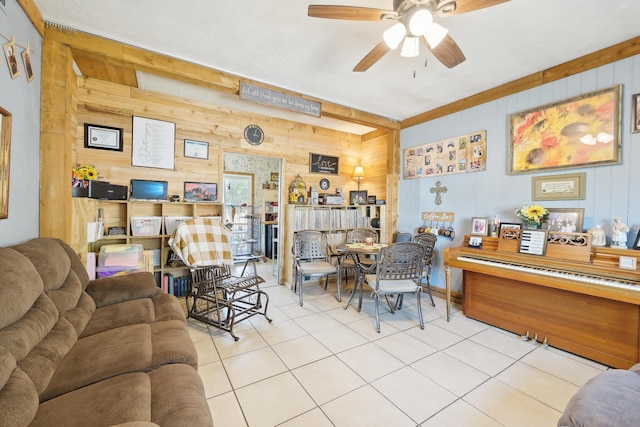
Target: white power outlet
{"points": [[628, 262]]}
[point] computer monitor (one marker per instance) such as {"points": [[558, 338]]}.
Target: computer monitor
{"points": [[142, 189]]}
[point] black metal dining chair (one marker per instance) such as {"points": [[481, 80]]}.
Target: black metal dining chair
{"points": [[428, 241], [398, 272], [356, 235]]}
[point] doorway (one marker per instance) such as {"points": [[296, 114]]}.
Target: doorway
{"points": [[255, 181]]}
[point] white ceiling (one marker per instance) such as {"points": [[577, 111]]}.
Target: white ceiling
{"points": [[276, 43]]}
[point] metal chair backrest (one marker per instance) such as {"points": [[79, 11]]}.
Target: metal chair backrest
{"points": [[310, 245], [400, 261], [358, 235], [402, 237], [428, 241]]}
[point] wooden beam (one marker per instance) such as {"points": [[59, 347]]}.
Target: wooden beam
{"points": [[32, 12], [596, 59], [87, 45]]}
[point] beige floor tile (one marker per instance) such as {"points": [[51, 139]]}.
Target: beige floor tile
{"points": [[405, 347], [294, 310], [313, 418], [326, 302], [504, 342], [461, 325], [317, 322], [207, 352], [346, 316], [457, 377], [248, 368], [300, 351], [511, 407], [435, 336], [460, 414], [365, 407], [198, 331], [340, 338], [416, 395], [370, 361], [367, 328], [567, 368], [542, 386], [280, 331], [225, 411], [274, 401], [480, 357], [327, 379], [215, 380], [250, 340]]}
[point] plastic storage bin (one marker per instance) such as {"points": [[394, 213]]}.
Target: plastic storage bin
{"points": [[172, 222], [146, 225], [117, 271], [122, 256]]}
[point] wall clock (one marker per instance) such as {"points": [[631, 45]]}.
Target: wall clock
{"points": [[254, 134], [324, 184]]}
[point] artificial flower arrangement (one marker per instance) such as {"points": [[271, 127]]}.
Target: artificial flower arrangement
{"points": [[532, 215], [82, 174]]}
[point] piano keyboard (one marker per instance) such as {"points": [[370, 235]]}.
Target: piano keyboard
{"points": [[556, 273]]}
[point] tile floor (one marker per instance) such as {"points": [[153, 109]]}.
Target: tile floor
{"points": [[321, 365]]}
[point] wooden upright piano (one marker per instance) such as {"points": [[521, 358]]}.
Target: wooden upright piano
{"points": [[590, 308]]}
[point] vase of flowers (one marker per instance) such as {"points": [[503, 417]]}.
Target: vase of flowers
{"points": [[532, 215], [80, 177]]}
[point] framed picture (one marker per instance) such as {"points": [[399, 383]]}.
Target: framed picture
{"points": [[636, 244], [200, 192], [371, 200], [319, 163], [153, 143], [565, 219], [196, 149], [275, 176], [358, 197], [533, 242], [516, 225], [635, 113], [28, 66], [5, 157], [479, 226], [559, 187], [12, 58], [576, 132], [103, 137]]}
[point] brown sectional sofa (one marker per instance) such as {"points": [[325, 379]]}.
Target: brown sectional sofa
{"points": [[106, 352]]}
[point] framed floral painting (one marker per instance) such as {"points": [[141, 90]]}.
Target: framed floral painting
{"points": [[576, 132]]}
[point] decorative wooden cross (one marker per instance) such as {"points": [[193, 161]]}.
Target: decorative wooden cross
{"points": [[438, 189]]}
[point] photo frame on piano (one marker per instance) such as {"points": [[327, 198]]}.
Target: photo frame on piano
{"points": [[636, 244], [533, 242], [479, 226], [568, 220]]}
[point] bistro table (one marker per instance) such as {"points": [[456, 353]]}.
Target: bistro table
{"points": [[355, 250]]}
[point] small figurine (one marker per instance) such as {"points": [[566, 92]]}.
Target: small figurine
{"points": [[620, 229], [496, 225]]}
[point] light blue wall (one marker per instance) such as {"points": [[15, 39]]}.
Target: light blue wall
{"points": [[610, 190], [22, 100]]}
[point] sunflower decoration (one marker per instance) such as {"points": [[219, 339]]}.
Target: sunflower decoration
{"points": [[532, 215], [82, 174]]}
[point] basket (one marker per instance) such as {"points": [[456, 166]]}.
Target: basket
{"points": [[172, 222], [146, 225]]}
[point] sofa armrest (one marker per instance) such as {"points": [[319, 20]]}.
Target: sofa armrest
{"points": [[115, 289]]}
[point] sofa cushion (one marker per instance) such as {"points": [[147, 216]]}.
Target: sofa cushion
{"points": [[610, 399], [18, 394], [132, 348], [113, 290], [169, 396], [16, 298], [126, 313]]}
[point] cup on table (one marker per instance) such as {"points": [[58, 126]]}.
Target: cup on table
{"points": [[368, 241]]}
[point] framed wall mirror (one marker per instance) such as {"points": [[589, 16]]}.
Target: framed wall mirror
{"points": [[5, 157]]}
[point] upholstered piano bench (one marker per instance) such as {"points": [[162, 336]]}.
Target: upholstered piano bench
{"points": [[610, 399]]}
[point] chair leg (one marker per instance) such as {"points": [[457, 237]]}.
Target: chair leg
{"points": [[427, 281], [339, 280], [300, 290], [377, 298], [418, 292]]}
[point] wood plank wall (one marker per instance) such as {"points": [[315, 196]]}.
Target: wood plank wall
{"points": [[110, 104]]}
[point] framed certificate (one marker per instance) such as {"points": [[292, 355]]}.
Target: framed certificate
{"points": [[103, 137], [196, 149]]}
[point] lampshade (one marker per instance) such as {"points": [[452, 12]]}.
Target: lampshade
{"points": [[435, 34], [410, 47], [418, 20], [394, 35], [358, 172]]}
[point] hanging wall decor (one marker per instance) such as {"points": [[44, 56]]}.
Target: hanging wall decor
{"points": [[298, 191], [12, 57], [153, 143], [576, 132], [460, 154]]}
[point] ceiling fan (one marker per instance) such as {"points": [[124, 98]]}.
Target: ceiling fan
{"points": [[414, 23]]}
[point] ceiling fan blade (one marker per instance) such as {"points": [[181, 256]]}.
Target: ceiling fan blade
{"points": [[464, 6], [353, 13], [372, 57], [448, 52]]}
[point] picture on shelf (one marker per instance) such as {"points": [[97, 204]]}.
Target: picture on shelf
{"points": [[567, 220], [480, 226], [358, 197], [200, 192]]}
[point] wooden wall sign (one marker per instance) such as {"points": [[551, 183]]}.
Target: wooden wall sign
{"points": [[273, 98], [319, 163], [439, 216]]}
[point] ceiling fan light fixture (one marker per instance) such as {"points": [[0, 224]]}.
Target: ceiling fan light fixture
{"points": [[410, 47], [435, 34], [418, 20], [393, 36]]}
